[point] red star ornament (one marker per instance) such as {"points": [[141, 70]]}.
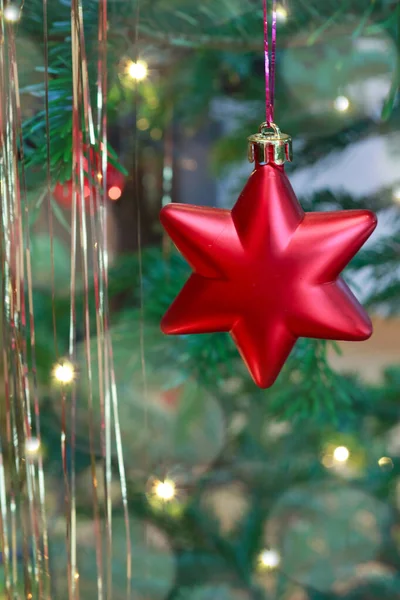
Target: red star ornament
{"points": [[267, 273]]}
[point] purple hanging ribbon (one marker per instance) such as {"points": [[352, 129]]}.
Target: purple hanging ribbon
{"points": [[270, 62]]}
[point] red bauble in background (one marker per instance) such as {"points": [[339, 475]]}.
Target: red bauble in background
{"points": [[265, 271], [171, 398], [115, 184]]}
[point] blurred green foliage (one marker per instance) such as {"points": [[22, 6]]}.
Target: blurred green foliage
{"points": [[200, 419], [197, 52]]}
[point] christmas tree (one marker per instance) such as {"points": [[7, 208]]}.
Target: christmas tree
{"points": [[228, 491]]}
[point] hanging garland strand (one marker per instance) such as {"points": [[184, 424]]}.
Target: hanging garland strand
{"points": [[82, 112], [104, 334], [89, 144], [23, 501]]}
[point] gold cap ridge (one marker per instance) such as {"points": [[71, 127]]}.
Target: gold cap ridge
{"points": [[266, 147]]}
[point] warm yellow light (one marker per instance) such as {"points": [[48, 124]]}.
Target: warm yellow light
{"points": [[341, 454], [327, 461], [64, 372], [386, 463], [156, 134], [342, 103], [396, 193], [12, 13], [32, 446], [281, 13], [269, 559], [76, 576], [138, 70], [165, 490], [143, 124]]}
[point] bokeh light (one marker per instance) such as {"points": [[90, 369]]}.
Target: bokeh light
{"points": [[269, 559], [281, 13], [12, 13], [386, 463], [64, 372], [32, 446], [396, 193], [114, 193], [342, 103], [137, 70], [165, 490], [143, 124], [341, 454]]}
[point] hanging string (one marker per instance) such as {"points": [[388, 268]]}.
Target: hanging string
{"points": [[270, 61], [168, 169]]}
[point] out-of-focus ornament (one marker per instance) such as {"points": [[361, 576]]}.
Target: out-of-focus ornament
{"points": [[228, 503], [368, 575], [115, 183], [153, 561], [326, 530], [212, 592], [170, 398], [188, 428], [84, 487], [266, 272]]}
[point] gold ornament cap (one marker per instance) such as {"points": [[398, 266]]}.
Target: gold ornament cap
{"points": [[270, 147]]}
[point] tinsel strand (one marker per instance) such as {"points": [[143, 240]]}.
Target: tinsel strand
{"points": [[24, 500], [79, 71]]}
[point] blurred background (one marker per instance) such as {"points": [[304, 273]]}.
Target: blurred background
{"points": [[235, 493]]}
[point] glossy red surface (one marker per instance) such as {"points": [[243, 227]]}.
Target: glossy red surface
{"points": [[267, 272]]}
